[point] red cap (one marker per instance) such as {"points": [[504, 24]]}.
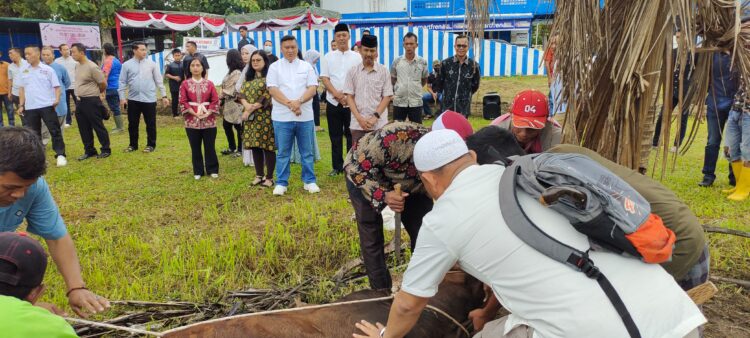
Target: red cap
{"points": [[454, 121], [529, 109], [22, 260]]}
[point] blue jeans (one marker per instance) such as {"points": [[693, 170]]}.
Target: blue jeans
{"points": [[113, 101], [285, 134], [427, 99], [5, 102], [738, 136], [716, 118]]}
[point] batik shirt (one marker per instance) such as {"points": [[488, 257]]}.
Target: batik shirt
{"points": [[459, 81], [383, 158]]}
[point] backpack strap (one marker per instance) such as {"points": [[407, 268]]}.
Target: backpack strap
{"points": [[520, 224]]}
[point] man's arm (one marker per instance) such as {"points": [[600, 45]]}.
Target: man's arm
{"points": [[159, 81], [123, 81], [21, 101], [394, 73], [475, 78], [277, 95], [403, 316], [57, 96], [82, 300]]}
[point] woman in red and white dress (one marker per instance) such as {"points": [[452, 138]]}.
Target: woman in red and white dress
{"points": [[199, 102]]}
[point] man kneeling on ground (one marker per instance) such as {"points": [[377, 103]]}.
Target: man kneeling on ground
{"points": [[545, 298], [22, 265], [690, 258], [25, 194]]}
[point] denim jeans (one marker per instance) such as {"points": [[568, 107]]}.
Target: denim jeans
{"points": [[716, 118], [6, 102], [737, 134], [286, 133], [113, 101], [426, 100]]}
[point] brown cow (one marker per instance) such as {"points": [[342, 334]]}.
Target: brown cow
{"points": [[458, 294]]}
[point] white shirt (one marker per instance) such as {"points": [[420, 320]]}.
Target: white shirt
{"points": [[466, 226], [293, 79], [14, 74], [39, 85], [334, 65], [70, 65]]}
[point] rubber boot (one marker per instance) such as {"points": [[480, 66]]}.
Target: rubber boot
{"points": [[736, 168], [118, 125], [743, 186]]}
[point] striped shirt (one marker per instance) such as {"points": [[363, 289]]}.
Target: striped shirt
{"points": [[140, 78], [368, 88]]}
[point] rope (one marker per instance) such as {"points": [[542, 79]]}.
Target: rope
{"points": [[451, 318], [114, 327]]}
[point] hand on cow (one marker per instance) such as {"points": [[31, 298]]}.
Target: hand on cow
{"points": [[394, 201], [479, 317], [369, 330]]}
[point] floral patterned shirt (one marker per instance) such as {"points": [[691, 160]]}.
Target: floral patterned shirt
{"points": [[384, 157], [198, 93]]}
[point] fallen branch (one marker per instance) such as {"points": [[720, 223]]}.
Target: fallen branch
{"points": [[743, 283], [114, 327], [726, 231]]}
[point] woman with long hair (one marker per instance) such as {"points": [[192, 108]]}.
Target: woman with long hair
{"points": [[231, 109], [258, 128], [246, 51], [199, 102]]}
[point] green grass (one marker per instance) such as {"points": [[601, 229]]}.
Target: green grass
{"points": [[146, 230]]}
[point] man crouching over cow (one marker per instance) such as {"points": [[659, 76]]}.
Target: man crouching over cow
{"points": [[545, 298]]}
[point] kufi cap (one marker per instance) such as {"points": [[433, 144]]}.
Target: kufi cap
{"points": [[438, 148]]}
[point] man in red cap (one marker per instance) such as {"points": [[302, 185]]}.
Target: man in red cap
{"points": [[22, 266], [529, 122]]}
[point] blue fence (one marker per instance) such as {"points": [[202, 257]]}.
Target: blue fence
{"points": [[494, 58]]}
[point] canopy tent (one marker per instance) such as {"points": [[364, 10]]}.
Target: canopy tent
{"points": [[176, 21], [285, 19]]}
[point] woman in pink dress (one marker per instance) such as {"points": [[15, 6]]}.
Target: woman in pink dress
{"points": [[199, 102]]}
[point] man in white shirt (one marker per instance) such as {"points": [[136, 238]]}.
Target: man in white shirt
{"points": [[39, 93], [69, 63], [14, 75], [545, 298], [333, 69], [292, 84]]}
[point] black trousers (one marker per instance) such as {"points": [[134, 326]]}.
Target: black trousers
{"points": [[148, 109], [89, 117], [338, 126], [261, 158], [370, 227], [33, 120], [316, 109], [175, 101], [413, 113], [230, 135], [207, 139], [70, 97]]}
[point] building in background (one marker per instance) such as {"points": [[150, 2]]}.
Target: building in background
{"points": [[511, 21]]}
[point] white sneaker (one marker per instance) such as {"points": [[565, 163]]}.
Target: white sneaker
{"points": [[312, 188], [67, 125], [197, 177], [62, 161], [214, 175], [279, 190]]}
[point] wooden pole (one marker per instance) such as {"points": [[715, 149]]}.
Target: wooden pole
{"points": [[397, 232], [119, 36]]}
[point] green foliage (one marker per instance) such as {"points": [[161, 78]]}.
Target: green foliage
{"points": [[101, 11], [226, 7]]}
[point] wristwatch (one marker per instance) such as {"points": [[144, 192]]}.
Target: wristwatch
{"points": [[376, 114], [382, 332]]}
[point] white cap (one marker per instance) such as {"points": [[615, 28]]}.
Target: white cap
{"points": [[438, 148]]}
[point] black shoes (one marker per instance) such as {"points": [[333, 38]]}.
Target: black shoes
{"points": [[335, 172], [707, 182], [86, 157], [103, 155]]}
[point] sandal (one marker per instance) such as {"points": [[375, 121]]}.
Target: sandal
{"points": [[130, 149], [257, 180], [148, 150], [268, 183]]}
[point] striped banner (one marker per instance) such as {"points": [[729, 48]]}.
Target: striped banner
{"points": [[495, 59]]}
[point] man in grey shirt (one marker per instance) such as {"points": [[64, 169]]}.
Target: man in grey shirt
{"points": [[408, 75], [140, 77]]}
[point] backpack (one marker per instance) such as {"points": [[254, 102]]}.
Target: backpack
{"points": [[597, 203]]}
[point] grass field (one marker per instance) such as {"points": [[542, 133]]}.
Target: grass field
{"points": [[146, 230]]}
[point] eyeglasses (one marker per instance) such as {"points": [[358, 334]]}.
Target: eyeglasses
{"points": [[256, 60], [462, 46]]}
